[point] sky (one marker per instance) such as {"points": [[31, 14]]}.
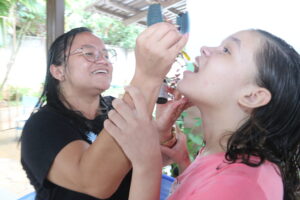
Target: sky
{"points": [[211, 21]]}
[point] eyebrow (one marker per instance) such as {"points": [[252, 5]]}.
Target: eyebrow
{"points": [[236, 41], [88, 46], [91, 46]]}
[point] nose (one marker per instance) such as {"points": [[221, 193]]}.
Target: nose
{"points": [[101, 60], [205, 51]]}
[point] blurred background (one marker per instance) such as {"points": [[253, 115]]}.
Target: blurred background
{"points": [[27, 27]]}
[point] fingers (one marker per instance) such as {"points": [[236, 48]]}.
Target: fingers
{"points": [[176, 48], [175, 93], [112, 129], [162, 29], [117, 119], [138, 101], [156, 31], [170, 38], [121, 113]]}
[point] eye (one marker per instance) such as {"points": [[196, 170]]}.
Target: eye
{"points": [[226, 50], [105, 55], [90, 54]]}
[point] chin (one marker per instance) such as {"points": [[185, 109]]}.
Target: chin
{"points": [[180, 86]]}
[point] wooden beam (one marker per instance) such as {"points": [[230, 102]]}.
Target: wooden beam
{"points": [[141, 15], [122, 7], [55, 20], [174, 11], [111, 13]]}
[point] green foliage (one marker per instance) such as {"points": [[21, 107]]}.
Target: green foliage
{"points": [[4, 7], [30, 13], [16, 93], [194, 140], [111, 31], [33, 11]]}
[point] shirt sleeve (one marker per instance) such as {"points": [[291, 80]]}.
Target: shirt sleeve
{"points": [[43, 136], [229, 188]]}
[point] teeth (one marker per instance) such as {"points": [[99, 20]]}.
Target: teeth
{"points": [[100, 71]]}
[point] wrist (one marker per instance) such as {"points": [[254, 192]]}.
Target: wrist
{"points": [[145, 79], [154, 159]]}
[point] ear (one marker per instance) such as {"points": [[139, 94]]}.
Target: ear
{"points": [[57, 72], [254, 97]]}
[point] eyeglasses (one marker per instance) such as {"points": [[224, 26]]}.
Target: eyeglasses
{"points": [[91, 54]]}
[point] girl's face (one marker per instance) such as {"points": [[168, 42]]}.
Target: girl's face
{"points": [[82, 73], [224, 71]]}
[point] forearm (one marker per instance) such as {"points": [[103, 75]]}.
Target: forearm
{"points": [[145, 183], [103, 166], [113, 165], [148, 86]]}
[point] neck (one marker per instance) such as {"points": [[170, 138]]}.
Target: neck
{"points": [[87, 104], [218, 126]]}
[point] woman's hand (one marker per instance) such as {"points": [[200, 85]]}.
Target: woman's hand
{"points": [[134, 130], [156, 50], [177, 154]]}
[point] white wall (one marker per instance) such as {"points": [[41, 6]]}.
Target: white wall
{"points": [[30, 65], [29, 69], [214, 20]]}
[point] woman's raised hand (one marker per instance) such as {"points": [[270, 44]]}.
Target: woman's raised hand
{"points": [[156, 50]]}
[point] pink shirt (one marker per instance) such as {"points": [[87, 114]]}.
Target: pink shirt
{"points": [[211, 178]]}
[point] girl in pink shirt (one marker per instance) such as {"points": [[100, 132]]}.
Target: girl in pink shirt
{"points": [[247, 90]]}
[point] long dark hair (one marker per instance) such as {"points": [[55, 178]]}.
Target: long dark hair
{"points": [[51, 95], [273, 131], [57, 55]]}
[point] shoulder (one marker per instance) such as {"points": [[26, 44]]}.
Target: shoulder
{"points": [[263, 181], [227, 186], [48, 126], [265, 170], [46, 115]]}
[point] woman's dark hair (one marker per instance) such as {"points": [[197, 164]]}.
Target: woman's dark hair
{"points": [[273, 131], [58, 55]]}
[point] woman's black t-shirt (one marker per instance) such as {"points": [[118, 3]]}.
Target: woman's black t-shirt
{"points": [[44, 135]]}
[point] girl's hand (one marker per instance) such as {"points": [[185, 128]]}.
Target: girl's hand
{"points": [[168, 113], [177, 154], [134, 130]]}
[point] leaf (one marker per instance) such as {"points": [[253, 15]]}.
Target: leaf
{"points": [[187, 130], [198, 121], [184, 114], [195, 139]]}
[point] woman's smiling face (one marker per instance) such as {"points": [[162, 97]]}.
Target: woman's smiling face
{"points": [[85, 75]]}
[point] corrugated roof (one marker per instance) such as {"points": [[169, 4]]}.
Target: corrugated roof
{"points": [[135, 11]]}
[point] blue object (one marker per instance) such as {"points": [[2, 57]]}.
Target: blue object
{"points": [[183, 22], [154, 14], [165, 188], [30, 196]]}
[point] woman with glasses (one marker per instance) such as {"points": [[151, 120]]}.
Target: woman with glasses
{"points": [[64, 150], [247, 90]]}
